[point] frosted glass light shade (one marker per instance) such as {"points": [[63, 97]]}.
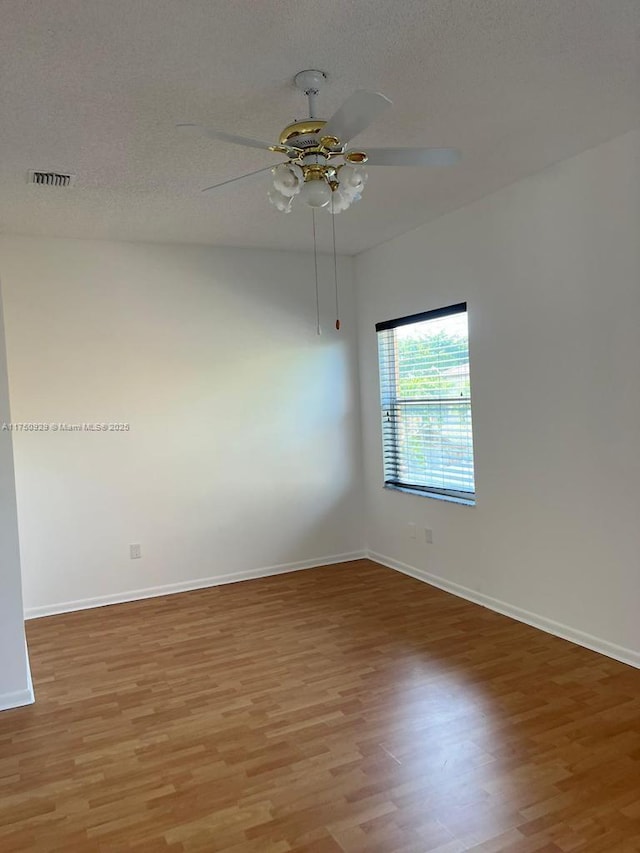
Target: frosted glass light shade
{"points": [[287, 179], [339, 202], [353, 179], [279, 201], [316, 193]]}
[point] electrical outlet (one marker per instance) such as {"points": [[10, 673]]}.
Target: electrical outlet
{"points": [[428, 535], [411, 530], [135, 552]]}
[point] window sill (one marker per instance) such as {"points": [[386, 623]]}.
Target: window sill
{"points": [[424, 494]]}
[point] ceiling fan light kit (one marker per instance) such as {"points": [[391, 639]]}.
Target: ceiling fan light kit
{"points": [[332, 188]]}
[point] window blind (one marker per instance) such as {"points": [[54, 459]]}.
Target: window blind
{"points": [[426, 402]]}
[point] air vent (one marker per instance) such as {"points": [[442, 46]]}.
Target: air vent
{"points": [[51, 179]]}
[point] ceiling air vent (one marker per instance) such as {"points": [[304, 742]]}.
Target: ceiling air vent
{"points": [[51, 179]]}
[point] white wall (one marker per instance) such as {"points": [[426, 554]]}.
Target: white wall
{"points": [[243, 452], [550, 268], [15, 679]]}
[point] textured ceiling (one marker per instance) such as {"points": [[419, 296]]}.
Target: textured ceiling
{"points": [[96, 86]]}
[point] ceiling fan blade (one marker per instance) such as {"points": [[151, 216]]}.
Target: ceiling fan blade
{"points": [[412, 156], [357, 113], [239, 178], [224, 137]]}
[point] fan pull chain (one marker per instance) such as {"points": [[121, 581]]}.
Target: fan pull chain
{"points": [[315, 266], [335, 264]]}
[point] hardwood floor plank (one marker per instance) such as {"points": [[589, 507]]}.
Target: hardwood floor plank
{"points": [[341, 709]]}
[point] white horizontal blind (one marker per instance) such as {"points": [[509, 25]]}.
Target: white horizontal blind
{"points": [[426, 402]]}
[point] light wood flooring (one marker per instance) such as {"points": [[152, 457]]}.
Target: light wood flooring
{"points": [[341, 709]]}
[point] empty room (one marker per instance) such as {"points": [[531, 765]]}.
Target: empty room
{"points": [[319, 426]]}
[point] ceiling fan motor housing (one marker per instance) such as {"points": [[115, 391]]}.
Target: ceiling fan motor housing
{"points": [[302, 134]]}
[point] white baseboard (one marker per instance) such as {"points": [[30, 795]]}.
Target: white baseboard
{"points": [[16, 699], [596, 644], [185, 586]]}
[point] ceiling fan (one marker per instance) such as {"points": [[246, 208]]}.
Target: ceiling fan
{"points": [[321, 168]]}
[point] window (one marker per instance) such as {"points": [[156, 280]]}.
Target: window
{"points": [[426, 404]]}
